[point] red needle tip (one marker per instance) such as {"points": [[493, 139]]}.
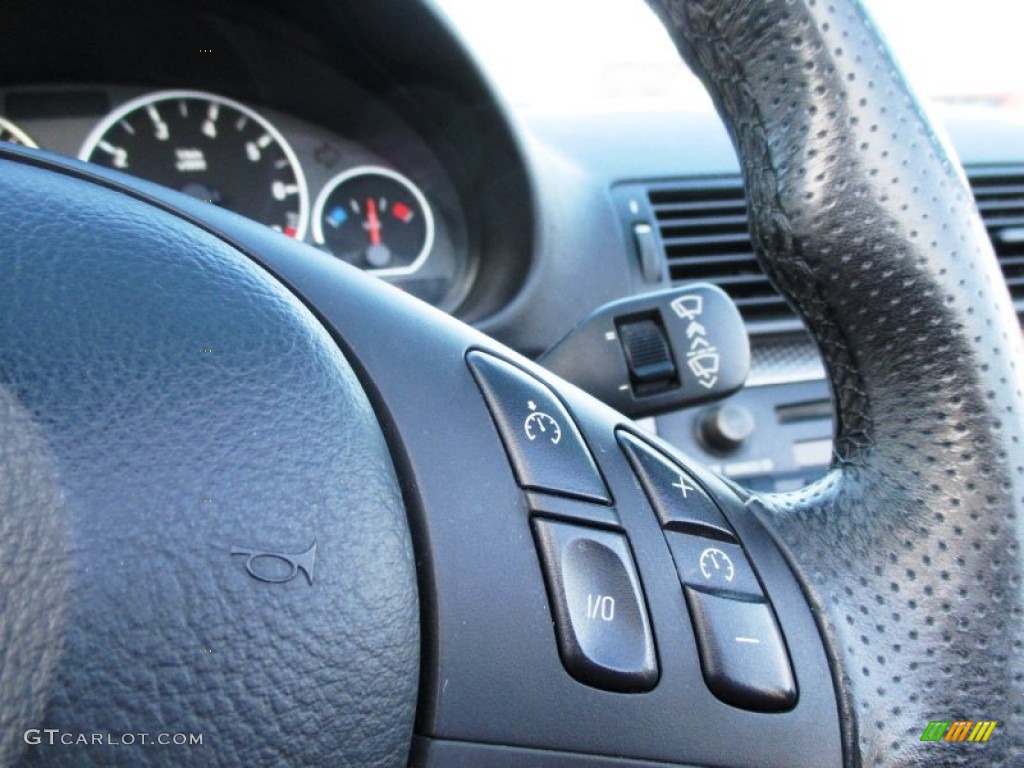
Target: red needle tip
{"points": [[372, 221]]}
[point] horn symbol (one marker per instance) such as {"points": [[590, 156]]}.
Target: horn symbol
{"points": [[302, 561]]}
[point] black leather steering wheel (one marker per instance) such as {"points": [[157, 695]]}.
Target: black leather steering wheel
{"points": [[214, 443], [909, 549]]}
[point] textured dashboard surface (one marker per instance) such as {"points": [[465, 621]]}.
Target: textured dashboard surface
{"points": [[784, 360], [910, 547]]}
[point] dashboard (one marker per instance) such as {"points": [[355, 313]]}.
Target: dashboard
{"points": [[342, 193], [341, 127], [392, 151], [289, 116]]}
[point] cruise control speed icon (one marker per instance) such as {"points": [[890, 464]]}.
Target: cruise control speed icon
{"points": [[715, 565], [539, 424]]}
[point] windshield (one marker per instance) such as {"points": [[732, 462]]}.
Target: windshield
{"points": [[619, 57]]}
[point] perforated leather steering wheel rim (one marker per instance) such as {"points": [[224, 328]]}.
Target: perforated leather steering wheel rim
{"points": [[910, 548]]}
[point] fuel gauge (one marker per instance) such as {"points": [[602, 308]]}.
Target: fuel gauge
{"points": [[376, 219]]}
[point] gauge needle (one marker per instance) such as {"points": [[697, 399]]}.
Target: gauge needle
{"points": [[372, 221]]}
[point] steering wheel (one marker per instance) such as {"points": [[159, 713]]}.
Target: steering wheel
{"points": [[250, 493]]}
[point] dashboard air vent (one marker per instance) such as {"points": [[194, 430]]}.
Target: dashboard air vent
{"points": [[703, 226], [999, 192]]}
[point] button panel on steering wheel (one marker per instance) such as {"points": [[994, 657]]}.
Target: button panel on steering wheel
{"points": [[743, 655]]}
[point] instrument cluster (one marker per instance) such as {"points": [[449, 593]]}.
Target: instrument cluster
{"points": [[403, 224]]}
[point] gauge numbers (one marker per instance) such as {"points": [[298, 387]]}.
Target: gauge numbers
{"points": [[209, 147]]}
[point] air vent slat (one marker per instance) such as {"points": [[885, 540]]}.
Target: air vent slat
{"points": [[987, 199], [762, 301], [1006, 192], [737, 222], [703, 226], [1003, 210], [706, 191], [995, 221], [758, 278], [705, 242], [700, 208], [725, 261]]}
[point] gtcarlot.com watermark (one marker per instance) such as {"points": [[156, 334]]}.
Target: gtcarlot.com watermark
{"points": [[55, 737]]}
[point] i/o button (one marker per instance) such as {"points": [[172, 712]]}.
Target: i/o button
{"points": [[604, 635]]}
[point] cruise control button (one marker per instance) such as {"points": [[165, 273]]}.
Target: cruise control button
{"points": [[742, 653], [544, 446], [713, 566], [604, 636], [680, 503]]}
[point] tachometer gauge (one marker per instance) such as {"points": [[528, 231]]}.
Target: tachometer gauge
{"points": [[10, 132], [209, 147], [376, 219]]}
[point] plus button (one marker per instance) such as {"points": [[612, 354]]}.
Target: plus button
{"points": [[683, 486]]}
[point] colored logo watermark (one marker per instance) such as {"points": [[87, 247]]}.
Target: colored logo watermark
{"points": [[958, 730]]}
